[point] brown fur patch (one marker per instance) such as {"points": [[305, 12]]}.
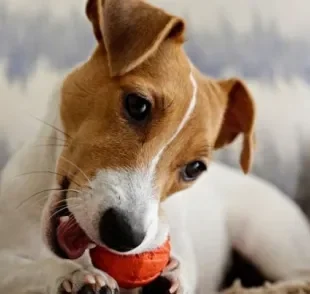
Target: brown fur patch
{"points": [[92, 100]]}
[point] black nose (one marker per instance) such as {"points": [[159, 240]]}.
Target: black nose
{"points": [[117, 233]]}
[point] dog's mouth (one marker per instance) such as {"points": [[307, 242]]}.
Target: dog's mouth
{"points": [[68, 240]]}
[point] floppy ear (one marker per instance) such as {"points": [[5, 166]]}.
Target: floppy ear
{"points": [[238, 119], [131, 31]]}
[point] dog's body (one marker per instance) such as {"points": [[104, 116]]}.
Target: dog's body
{"points": [[198, 219], [126, 130], [197, 216]]}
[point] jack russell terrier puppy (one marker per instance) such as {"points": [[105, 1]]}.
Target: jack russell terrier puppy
{"points": [[127, 129]]}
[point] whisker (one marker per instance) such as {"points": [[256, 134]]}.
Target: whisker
{"points": [[32, 204], [46, 190], [70, 174], [46, 172], [52, 138], [65, 201], [62, 209], [10, 181], [50, 145], [64, 140], [71, 223], [74, 165], [57, 211], [51, 126]]}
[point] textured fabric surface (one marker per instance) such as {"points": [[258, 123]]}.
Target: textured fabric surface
{"points": [[291, 287]]}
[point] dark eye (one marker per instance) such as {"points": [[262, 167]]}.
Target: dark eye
{"points": [[193, 170], [137, 107]]}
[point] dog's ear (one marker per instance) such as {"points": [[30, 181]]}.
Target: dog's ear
{"points": [[239, 118], [131, 31]]}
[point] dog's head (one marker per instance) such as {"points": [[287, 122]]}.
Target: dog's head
{"points": [[141, 124]]}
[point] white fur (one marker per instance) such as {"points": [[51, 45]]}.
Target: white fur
{"points": [[182, 124], [132, 191], [282, 130], [223, 208]]}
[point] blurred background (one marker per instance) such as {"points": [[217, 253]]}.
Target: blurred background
{"points": [[265, 42]]}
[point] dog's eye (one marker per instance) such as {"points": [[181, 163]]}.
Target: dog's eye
{"points": [[137, 107], [193, 170]]}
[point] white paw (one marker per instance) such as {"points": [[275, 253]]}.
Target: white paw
{"points": [[89, 281], [172, 274], [170, 281]]}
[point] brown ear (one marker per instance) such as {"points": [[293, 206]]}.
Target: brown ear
{"points": [[239, 118], [131, 30]]}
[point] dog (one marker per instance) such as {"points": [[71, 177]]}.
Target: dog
{"points": [[124, 157]]}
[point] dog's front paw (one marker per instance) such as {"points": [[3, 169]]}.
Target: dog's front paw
{"points": [[168, 282], [90, 281]]}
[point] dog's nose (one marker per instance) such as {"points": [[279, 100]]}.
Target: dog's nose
{"points": [[118, 233]]}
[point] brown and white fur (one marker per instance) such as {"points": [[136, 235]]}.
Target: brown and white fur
{"points": [[107, 160]]}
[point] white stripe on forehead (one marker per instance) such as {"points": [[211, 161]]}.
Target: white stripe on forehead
{"points": [[182, 124], [132, 191]]}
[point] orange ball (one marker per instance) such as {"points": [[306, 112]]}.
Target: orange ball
{"points": [[132, 271]]}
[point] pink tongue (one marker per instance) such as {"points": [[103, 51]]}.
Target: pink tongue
{"points": [[71, 239]]}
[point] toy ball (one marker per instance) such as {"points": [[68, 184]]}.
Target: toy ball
{"points": [[132, 271]]}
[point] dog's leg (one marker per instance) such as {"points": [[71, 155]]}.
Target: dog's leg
{"points": [[51, 276], [272, 232], [199, 242], [179, 277], [172, 280]]}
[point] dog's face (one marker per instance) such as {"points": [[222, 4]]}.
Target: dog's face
{"points": [[141, 124]]}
